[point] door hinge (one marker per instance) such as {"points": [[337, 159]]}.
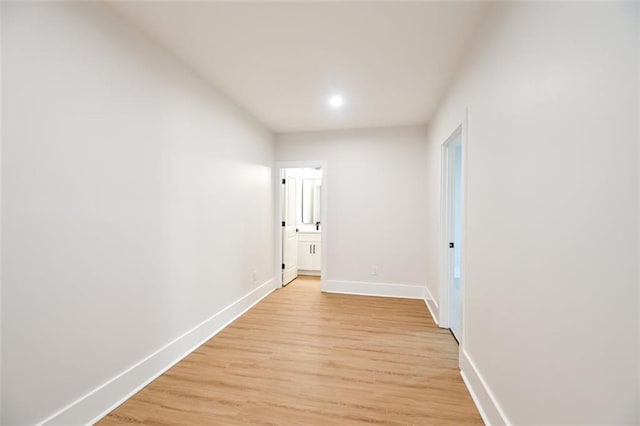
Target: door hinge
{"points": [[284, 181], [284, 223], [283, 266]]}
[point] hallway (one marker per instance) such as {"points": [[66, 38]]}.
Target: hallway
{"points": [[305, 357]]}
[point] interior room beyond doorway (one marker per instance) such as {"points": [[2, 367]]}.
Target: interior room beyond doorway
{"points": [[301, 222]]}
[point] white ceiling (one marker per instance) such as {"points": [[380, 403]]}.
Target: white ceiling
{"points": [[280, 61]]}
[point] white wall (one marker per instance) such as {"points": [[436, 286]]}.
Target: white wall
{"points": [[375, 185], [126, 185], [551, 309]]}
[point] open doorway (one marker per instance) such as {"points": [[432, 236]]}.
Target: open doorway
{"points": [[452, 233], [301, 225]]}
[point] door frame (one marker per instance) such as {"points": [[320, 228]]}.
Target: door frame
{"points": [[446, 221], [278, 215]]}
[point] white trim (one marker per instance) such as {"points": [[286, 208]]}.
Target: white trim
{"points": [[443, 287], [432, 305], [429, 296], [363, 288], [488, 406], [105, 398], [323, 215], [465, 220]]}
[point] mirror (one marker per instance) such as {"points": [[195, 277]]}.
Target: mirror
{"points": [[311, 189]]}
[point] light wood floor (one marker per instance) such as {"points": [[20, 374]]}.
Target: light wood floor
{"points": [[301, 357]]}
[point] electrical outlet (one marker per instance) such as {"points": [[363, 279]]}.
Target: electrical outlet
{"points": [[255, 277], [374, 269]]}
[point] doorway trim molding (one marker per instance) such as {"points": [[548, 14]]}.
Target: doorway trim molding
{"points": [[460, 130], [278, 214]]}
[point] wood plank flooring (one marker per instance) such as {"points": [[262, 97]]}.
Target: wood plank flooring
{"points": [[302, 357]]}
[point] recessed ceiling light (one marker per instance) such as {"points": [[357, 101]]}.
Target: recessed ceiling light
{"points": [[336, 101]]}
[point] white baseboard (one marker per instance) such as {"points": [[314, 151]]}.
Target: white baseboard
{"points": [[490, 410], [96, 404], [363, 288], [432, 305]]}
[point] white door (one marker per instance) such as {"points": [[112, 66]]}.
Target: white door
{"points": [[454, 207], [289, 232]]}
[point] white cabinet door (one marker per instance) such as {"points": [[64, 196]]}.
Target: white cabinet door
{"points": [[305, 255], [316, 262]]}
